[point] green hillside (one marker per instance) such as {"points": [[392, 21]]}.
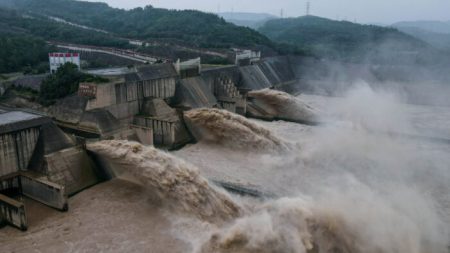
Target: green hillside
{"points": [[19, 53], [248, 19], [191, 27], [438, 40], [23, 39], [346, 40], [20, 23]]}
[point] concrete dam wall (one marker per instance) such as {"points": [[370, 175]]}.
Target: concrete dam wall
{"points": [[267, 73], [119, 108], [39, 161]]}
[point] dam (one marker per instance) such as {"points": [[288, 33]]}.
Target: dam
{"points": [[233, 149], [43, 155], [155, 96], [38, 161]]}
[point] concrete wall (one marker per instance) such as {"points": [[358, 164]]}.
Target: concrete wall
{"points": [[229, 96], [123, 100], [229, 106], [210, 75], [105, 96], [8, 155], [253, 78], [163, 131], [124, 112], [54, 138], [144, 134], [225, 87], [12, 212], [72, 169], [101, 121], [131, 92], [11, 182], [169, 133], [16, 150], [195, 93], [158, 88], [44, 191], [157, 107], [269, 72], [69, 109]]}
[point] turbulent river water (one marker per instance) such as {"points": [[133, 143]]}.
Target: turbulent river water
{"points": [[373, 177]]}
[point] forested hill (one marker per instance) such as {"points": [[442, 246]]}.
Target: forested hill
{"points": [[23, 40], [348, 41], [191, 27], [16, 23]]}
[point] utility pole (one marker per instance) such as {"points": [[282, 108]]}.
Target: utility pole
{"points": [[308, 8]]}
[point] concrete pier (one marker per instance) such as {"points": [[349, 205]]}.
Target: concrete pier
{"points": [[39, 161]]}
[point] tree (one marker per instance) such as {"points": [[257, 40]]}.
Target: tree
{"points": [[61, 84], [64, 83]]}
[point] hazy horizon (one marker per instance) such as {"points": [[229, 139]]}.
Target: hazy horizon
{"points": [[382, 11]]}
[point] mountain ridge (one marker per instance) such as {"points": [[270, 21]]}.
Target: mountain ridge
{"points": [[186, 26], [346, 40], [247, 19], [427, 25]]}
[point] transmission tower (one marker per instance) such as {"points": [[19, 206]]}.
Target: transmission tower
{"points": [[308, 8], [281, 13]]}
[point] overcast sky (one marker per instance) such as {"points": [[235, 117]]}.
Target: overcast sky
{"points": [[365, 11]]}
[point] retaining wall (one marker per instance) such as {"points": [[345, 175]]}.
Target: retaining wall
{"points": [[71, 168], [195, 93], [12, 212], [44, 191], [17, 149], [166, 132]]}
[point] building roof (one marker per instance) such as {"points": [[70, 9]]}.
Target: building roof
{"points": [[152, 72], [11, 121]]}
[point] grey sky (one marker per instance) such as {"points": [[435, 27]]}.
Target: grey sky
{"points": [[384, 11]]}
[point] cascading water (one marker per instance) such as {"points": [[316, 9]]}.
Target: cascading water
{"points": [[232, 130], [343, 187], [176, 182]]}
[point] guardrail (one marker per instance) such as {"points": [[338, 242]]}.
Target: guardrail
{"points": [[124, 53]]}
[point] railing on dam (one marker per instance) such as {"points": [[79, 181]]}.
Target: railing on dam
{"points": [[129, 54]]}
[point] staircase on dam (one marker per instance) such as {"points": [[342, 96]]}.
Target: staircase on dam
{"points": [[228, 95]]}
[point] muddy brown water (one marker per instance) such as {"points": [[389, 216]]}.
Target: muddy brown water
{"points": [[115, 216]]}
